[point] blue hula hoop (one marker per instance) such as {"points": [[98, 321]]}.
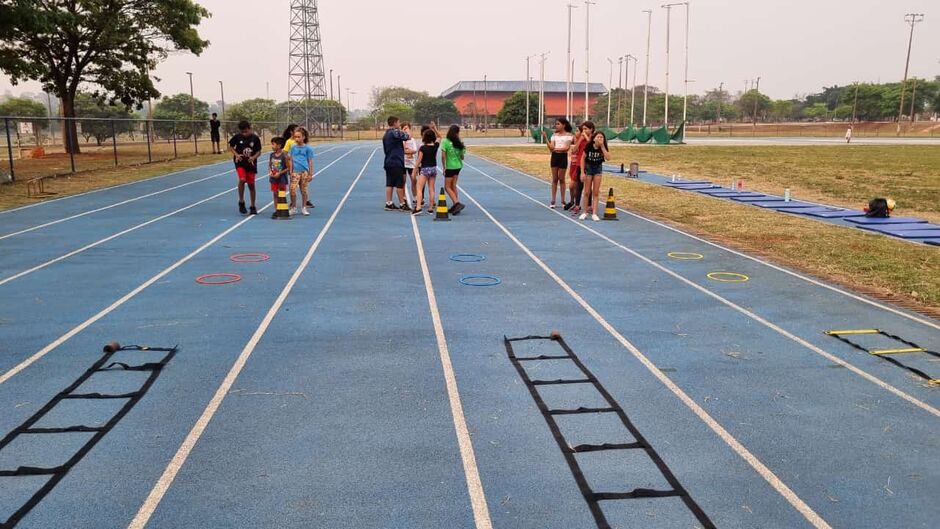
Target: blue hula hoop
{"points": [[489, 281], [467, 257]]}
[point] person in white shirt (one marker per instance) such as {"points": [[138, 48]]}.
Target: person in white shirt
{"points": [[559, 146], [848, 135], [411, 150]]}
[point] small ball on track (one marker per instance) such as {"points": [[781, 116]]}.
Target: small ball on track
{"points": [[111, 347], [555, 334]]}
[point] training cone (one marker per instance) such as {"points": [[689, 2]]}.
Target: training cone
{"points": [[282, 211], [442, 213], [610, 211]]}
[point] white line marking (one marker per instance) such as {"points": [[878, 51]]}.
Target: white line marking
{"points": [[110, 238], [776, 328], [481, 513], [752, 258], [108, 188], [123, 299], [771, 478], [173, 468]]}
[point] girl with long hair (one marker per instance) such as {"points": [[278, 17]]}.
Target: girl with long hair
{"points": [[592, 169], [559, 146], [452, 154]]}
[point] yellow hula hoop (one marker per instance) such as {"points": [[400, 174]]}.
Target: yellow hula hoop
{"points": [[728, 277], [686, 256]]}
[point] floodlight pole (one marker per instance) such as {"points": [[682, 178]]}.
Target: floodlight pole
{"points": [[756, 100], [620, 82], [222, 93], [528, 82], [912, 19], [610, 90], [633, 90], [331, 86], [570, 72], [587, 56], [668, 8], [192, 111], [542, 91], [720, 86], [685, 97], [646, 82], [855, 103], [486, 112]]}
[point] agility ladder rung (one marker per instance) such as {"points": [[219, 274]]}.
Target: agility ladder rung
{"points": [[897, 351], [854, 331]]}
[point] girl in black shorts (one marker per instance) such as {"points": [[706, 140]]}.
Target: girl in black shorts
{"points": [[559, 146]]}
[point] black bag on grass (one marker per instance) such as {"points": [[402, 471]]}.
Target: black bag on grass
{"points": [[878, 208]]}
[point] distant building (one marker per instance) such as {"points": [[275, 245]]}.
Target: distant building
{"points": [[477, 97]]}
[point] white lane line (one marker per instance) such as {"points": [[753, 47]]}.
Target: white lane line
{"points": [[125, 184], [176, 463], [767, 323], [481, 513], [123, 299], [110, 238], [808, 279], [768, 475]]}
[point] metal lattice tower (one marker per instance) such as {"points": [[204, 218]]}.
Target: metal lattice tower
{"points": [[306, 83]]}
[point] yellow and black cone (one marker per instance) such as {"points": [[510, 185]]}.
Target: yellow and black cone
{"points": [[610, 211], [282, 211], [442, 213]]}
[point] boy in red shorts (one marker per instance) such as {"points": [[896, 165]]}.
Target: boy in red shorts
{"points": [[278, 169], [246, 148]]}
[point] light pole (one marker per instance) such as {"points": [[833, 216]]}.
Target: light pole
{"points": [[570, 73], [720, 86], [668, 8], [685, 97], [587, 55], [542, 92], [610, 89], [646, 82], [620, 82], [331, 85], [756, 100], [633, 90], [222, 93], [855, 103], [192, 111], [528, 83], [912, 19], [486, 112], [348, 91]]}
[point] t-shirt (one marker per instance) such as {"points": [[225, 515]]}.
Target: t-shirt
{"points": [[302, 156], [452, 155], [288, 144], [578, 151], [394, 147], [593, 156], [429, 154], [410, 159], [562, 142], [214, 125], [247, 146], [276, 164]]}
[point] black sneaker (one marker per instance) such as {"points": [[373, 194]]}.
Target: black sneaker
{"points": [[274, 215], [241, 208], [310, 204], [569, 205], [252, 211], [417, 211], [404, 207], [458, 207], [390, 207]]}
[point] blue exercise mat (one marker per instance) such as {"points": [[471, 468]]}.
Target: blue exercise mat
{"points": [[724, 193], [835, 213], [681, 183], [808, 210], [758, 198], [785, 205], [933, 242], [889, 220], [912, 234], [721, 191], [694, 187], [887, 228]]}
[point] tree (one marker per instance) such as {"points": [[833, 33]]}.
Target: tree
{"points": [[438, 109], [110, 44], [326, 112], [400, 110], [748, 100], [513, 111], [259, 112], [177, 108], [25, 108], [88, 106], [396, 94], [816, 111]]}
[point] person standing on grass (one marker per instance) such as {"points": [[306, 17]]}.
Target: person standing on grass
{"points": [[246, 148], [393, 143], [585, 131], [426, 171], [452, 154], [559, 146], [411, 154], [278, 169], [215, 134], [592, 169], [848, 135], [301, 168]]}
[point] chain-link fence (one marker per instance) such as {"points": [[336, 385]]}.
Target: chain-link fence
{"points": [[35, 147]]}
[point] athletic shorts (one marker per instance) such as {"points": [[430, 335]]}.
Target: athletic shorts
{"points": [[429, 172], [593, 170], [277, 185], [575, 172], [246, 175], [559, 160], [216, 138], [451, 173], [395, 176], [301, 180]]}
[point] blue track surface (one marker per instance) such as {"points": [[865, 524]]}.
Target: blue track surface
{"points": [[328, 389]]}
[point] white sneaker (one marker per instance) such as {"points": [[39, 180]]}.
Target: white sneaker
{"points": [[583, 216], [292, 211], [595, 218], [306, 213]]}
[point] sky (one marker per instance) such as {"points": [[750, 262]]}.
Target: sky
{"points": [[794, 46]]}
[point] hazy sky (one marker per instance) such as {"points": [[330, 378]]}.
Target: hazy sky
{"points": [[795, 46]]}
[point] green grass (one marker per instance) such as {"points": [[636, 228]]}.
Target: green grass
{"points": [[899, 271]]}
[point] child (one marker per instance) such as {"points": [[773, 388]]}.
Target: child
{"points": [[215, 134], [426, 171], [246, 148], [452, 153], [278, 169], [301, 169], [592, 169], [586, 130], [393, 145], [411, 151], [559, 146]]}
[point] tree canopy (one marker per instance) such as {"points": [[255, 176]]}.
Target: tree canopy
{"points": [[513, 111], [177, 108], [396, 94], [439, 109], [88, 106]]}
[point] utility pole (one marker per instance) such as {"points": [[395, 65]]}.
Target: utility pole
{"points": [[855, 103], [222, 93], [756, 100], [912, 19], [913, 98], [720, 94], [267, 89], [486, 112], [685, 97], [668, 8], [192, 111], [633, 90], [610, 89], [49, 113], [528, 83], [331, 85], [570, 75], [587, 55], [646, 82], [620, 82], [542, 92]]}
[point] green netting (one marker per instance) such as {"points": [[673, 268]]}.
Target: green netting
{"points": [[538, 134], [659, 135]]}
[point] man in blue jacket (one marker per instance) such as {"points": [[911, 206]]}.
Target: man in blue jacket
{"points": [[394, 147]]}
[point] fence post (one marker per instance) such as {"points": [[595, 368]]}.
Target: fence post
{"points": [[174, 140], [114, 142], [72, 140], [149, 155], [6, 125], [195, 139]]}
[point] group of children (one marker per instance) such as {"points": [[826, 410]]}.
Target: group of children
{"points": [[290, 165], [588, 150], [403, 157]]}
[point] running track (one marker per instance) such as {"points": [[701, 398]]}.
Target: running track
{"points": [[353, 381]]}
